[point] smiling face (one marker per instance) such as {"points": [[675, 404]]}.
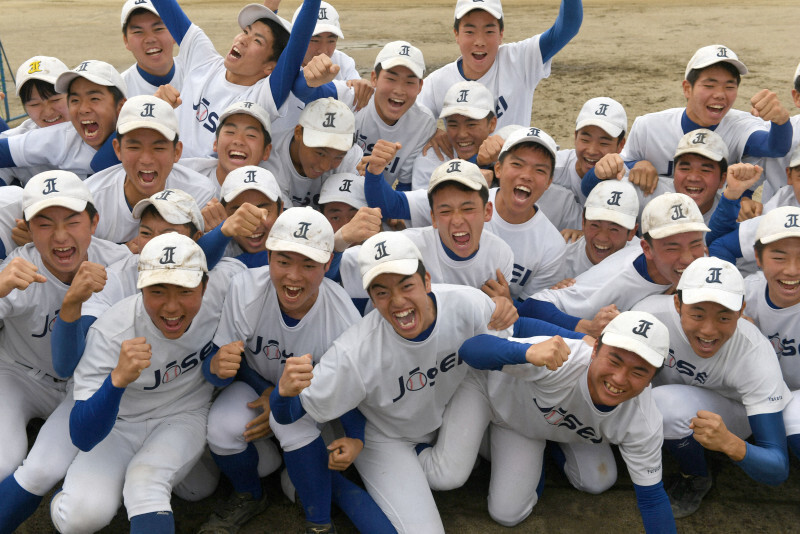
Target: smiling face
{"points": [[479, 38], [240, 141], [404, 302], [250, 57], [524, 174], [780, 262], [147, 157], [467, 134], [92, 111], [591, 144], [668, 257], [707, 325], [313, 162], [711, 96], [322, 43], [47, 111], [396, 90], [617, 375], [296, 279], [459, 215], [62, 237], [603, 238], [699, 178], [256, 241], [171, 307], [150, 42]]}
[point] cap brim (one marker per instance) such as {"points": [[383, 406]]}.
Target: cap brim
{"points": [[322, 28], [230, 195], [531, 139], [601, 214], [644, 351], [167, 215], [261, 120], [766, 240], [713, 61], [314, 254], [44, 77], [404, 267], [402, 62], [70, 203], [178, 277], [732, 301], [472, 7], [472, 113], [666, 231], [253, 12], [699, 151], [475, 186], [169, 133], [65, 78], [350, 200], [610, 129], [338, 141]]}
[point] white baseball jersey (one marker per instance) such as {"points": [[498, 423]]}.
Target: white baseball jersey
{"points": [[21, 174], [512, 79], [174, 382], [744, 369], [401, 386], [65, 149], [423, 168], [252, 314], [614, 280], [412, 130], [298, 190], [26, 126], [561, 208], [207, 167], [784, 196], [10, 210], [556, 406], [747, 239], [655, 136], [29, 315], [493, 253], [774, 175], [137, 85], [565, 174], [576, 261], [206, 93], [116, 220], [781, 326]]}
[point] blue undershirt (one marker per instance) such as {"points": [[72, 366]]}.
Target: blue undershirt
{"points": [[155, 80], [68, 342]]}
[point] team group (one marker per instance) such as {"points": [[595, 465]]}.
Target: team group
{"points": [[230, 265]]}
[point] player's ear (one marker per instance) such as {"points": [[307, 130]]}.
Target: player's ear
{"points": [[117, 146], [94, 221], [214, 146], [298, 134], [796, 97], [621, 144], [492, 123], [677, 302], [427, 281], [267, 152], [120, 104], [687, 89], [632, 233], [269, 66], [328, 265], [646, 249], [373, 78], [488, 210], [178, 151]]}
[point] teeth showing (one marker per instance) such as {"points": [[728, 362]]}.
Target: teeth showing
{"points": [[235, 154], [466, 144], [705, 340], [523, 189], [402, 314], [235, 52], [62, 249], [51, 121], [612, 389], [256, 236], [599, 247], [147, 175], [396, 102], [789, 282]]}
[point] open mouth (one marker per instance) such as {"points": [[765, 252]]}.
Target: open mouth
{"points": [[90, 129], [612, 389], [64, 254], [255, 240], [235, 155], [522, 193], [706, 345], [461, 239], [395, 104], [789, 285], [152, 51], [54, 120], [172, 324], [406, 319], [147, 177], [479, 56], [601, 251], [292, 293], [235, 53]]}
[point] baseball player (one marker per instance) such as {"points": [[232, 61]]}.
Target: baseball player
{"points": [[721, 383], [10, 213], [141, 397], [399, 367], [510, 71], [212, 83], [393, 113], [55, 275], [340, 198], [147, 38], [584, 398], [710, 85], [148, 147], [95, 94]]}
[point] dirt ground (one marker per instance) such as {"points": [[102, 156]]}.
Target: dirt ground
{"points": [[634, 51]]}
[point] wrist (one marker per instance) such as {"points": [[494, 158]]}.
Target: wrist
{"points": [[116, 380], [340, 244]]}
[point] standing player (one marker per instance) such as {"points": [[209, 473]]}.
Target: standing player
{"points": [[721, 384]]}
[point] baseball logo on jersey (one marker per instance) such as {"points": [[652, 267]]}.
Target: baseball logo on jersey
{"points": [[48, 325], [204, 115], [685, 368], [601, 110], [50, 186], [417, 379], [34, 67], [791, 221], [782, 346], [670, 361], [561, 418], [174, 369]]}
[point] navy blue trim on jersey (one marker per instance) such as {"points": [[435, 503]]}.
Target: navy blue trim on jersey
{"points": [[155, 80], [640, 264], [105, 156], [656, 511], [68, 342], [768, 460], [531, 327], [5, 155], [566, 26], [688, 125], [486, 351], [546, 311], [354, 424], [307, 94], [287, 69], [93, 419], [379, 194], [453, 256], [174, 18], [723, 220], [775, 143], [289, 321], [210, 377], [285, 410], [2, 251]]}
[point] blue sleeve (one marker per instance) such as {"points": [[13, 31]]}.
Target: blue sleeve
{"points": [[308, 94], [723, 220], [547, 311], [213, 244], [486, 351], [379, 194], [67, 344], [91, 420], [105, 157], [5, 155], [287, 69], [530, 327], [3, 125], [655, 509], [566, 26], [768, 460], [285, 410], [250, 377], [210, 377], [590, 179], [2, 250], [174, 18], [354, 423], [774, 143], [727, 247], [333, 270]]}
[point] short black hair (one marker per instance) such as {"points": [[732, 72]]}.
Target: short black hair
{"points": [[137, 11], [797, 84], [45, 90], [538, 147], [152, 210], [280, 37], [483, 192], [457, 22], [694, 74]]}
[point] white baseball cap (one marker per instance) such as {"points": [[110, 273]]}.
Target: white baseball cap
{"points": [[794, 160], [132, 5], [670, 214], [327, 20], [147, 111], [95, 71], [171, 258], [712, 280], [253, 12], [458, 170], [779, 223], [387, 252], [605, 113], [530, 135], [329, 123], [703, 142], [468, 98], [709, 55], [493, 7], [253, 109], [401, 54], [43, 68], [640, 333], [615, 201], [302, 230], [174, 205], [344, 187], [54, 188], [250, 177]]}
